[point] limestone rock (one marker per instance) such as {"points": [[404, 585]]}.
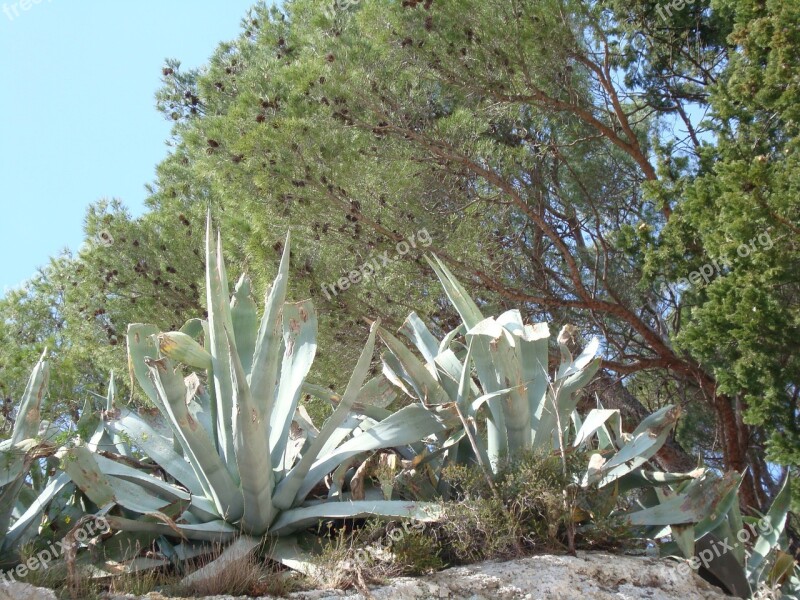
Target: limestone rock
{"points": [[598, 576], [23, 591]]}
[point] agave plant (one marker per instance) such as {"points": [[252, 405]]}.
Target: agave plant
{"points": [[26, 485], [236, 455], [746, 555], [526, 409]]}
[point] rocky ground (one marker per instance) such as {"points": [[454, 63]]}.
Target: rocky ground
{"points": [[598, 576]]}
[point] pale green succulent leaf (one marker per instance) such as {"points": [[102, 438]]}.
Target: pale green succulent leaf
{"points": [[300, 343], [116, 470], [194, 440], [213, 531], [251, 445], [142, 344], [426, 387], [263, 376], [771, 527], [245, 322], [159, 448], [193, 327], [697, 501], [83, 469], [594, 421], [287, 489], [28, 418], [459, 298], [643, 445], [419, 335], [408, 425], [219, 321], [32, 514], [299, 518]]}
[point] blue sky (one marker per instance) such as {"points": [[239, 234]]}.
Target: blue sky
{"points": [[77, 111]]}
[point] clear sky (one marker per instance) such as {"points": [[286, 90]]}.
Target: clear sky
{"points": [[77, 110]]}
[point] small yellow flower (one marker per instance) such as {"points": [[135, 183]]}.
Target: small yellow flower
{"points": [[67, 520]]}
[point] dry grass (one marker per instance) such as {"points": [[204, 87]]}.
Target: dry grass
{"points": [[249, 576]]}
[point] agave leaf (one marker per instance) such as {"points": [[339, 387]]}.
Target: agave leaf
{"points": [[570, 367], [459, 298], [299, 518], [251, 444], [142, 344], [287, 489], [406, 426], [245, 322], [394, 372], [82, 467], [684, 537], [712, 521], [199, 403], [448, 339], [286, 551], [648, 438], [722, 566], [771, 526], [118, 442], [194, 440], [428, 390], [449, 369], [213, 531], [481, 337], [14, 458], [193, 327], [115, 470], [300, 341], [533, 342], [242, 547], [360, 407], [419, 335], [33, 513], [159, 448], [8, 501], [692, 506], [595, 421], [640, 478], [183, 348], [562, 397], [264, 373], [504, 353], [29, 414], [378, 391], [735, 524], [219, 321]]}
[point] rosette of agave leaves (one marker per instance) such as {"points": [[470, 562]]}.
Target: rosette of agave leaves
{"points": [[230, 453]]}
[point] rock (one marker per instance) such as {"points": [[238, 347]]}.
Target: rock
{"points": [[598, 576], [13, 590], [589, 575]]}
